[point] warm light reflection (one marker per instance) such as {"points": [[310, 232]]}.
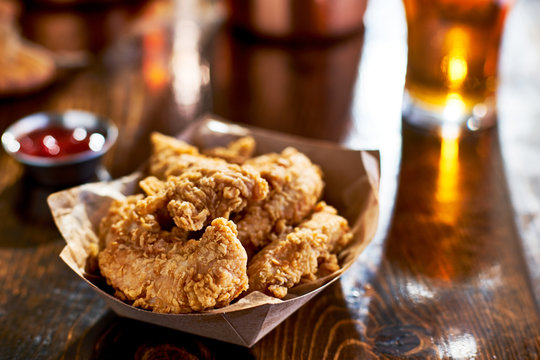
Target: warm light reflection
{"points": [[11, 142], [188, 77], [154, 59], [461, 346], [490, 278], [79, 133], [447, 181], [455, 63], [154, 49], [96, 143], [454, 109], [220, 127], [51, 144], [455, 67], [418, 292], [457, 70], [190, 74]]}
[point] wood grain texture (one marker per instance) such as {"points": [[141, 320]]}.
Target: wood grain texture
{"points": [[445, 277]]}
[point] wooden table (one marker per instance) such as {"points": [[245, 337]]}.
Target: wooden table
{"points": [[452, 271]]}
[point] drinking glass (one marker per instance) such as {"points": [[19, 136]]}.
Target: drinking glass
{"points": [[453, 50]]}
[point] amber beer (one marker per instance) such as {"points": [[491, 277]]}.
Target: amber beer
{"points": [[453, 49]]}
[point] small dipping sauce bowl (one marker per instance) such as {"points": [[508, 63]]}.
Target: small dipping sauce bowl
{"points": [[60, 149]]}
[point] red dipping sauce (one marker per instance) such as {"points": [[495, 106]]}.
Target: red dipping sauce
{"points": [[55, 141]]}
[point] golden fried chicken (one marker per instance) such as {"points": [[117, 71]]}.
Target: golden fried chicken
{"points": [[295, 187], [166, 152], [122, 221], [171, 275], [145, 254], [236, 152], [171, 157], [199, 195], [151, 185], [306, 253]]}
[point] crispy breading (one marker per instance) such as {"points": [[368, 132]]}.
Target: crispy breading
{"points": [[151, 185], [174, 276], [166, 152], [306, 253], [295, 187], [145, 254], [123, 222], [171, 157], [236, 152], [199, 195]]}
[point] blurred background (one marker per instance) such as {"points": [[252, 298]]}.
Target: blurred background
{"points": [[251, 62], [332, 70]]}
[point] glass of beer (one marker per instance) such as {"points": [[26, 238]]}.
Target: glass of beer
{"points": [[453, 51]]}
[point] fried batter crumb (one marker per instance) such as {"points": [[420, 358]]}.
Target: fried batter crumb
{"points": [[183, 244]]}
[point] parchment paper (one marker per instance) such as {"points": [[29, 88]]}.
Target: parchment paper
{"points": [[351, 178]]}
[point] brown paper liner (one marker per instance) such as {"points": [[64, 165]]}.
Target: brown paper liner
{"points": [[352, 180]]}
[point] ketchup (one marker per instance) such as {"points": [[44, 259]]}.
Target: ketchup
{"points": [[56, 141]]}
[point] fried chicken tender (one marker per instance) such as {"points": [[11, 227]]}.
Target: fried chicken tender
{"points": [[166, 154], [295, 187], [171, 157], [236, 152], [151, 185], [123, 222], [199, 195], [169, 275], [306, 253]]}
